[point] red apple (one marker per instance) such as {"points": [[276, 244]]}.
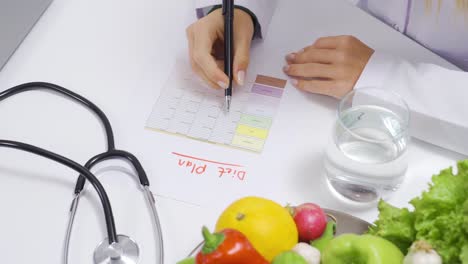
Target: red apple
{"points": [[310, 220]]}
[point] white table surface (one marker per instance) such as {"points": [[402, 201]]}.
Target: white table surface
{"points": [[119, 54]]}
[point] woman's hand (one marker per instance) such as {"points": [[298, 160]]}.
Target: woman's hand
{"points": [[205, 39], [331, 66]]}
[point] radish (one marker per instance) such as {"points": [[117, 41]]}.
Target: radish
{"points": [[310, 221]]}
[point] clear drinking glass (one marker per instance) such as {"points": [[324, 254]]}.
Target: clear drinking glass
{"points": [[366, 158]]}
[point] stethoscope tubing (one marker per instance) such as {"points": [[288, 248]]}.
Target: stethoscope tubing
{"points": [[150, 198], [76, 97], [82, 100], [73, 208], [115, 153], [108, 215]]}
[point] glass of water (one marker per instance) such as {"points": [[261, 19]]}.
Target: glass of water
{"points": [[366, 158]]}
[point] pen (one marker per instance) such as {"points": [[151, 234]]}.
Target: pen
{"points": [[228, 13]]}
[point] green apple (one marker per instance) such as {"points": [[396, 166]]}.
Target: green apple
{"points": [[361, 249]]}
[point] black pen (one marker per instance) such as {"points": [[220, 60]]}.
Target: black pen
{"points": [[228, 13]]}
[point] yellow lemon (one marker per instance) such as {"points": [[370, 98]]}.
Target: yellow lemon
{"points": [[268, 226]]}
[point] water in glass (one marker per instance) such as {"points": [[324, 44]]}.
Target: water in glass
{"points": [[366, 159]]}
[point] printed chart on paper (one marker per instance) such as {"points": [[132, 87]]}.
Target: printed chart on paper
{"points": [[187, 107]]}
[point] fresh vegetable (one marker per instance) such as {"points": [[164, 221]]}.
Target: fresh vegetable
{"points": [[187, 261], [310, 254], [464, 250], [439, 213], [363, 249], [465, 215], [267, 225], [439, 217], [227, 247], [329, 233], [422, 253], [395, 225], [289, 257], [310, 221], [464, 254]]}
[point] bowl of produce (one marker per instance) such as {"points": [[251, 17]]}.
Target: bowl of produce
{"points": [[255, 230], [337, 223]]}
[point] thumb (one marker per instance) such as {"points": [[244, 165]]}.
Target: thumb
{"points": [[241, 60]]}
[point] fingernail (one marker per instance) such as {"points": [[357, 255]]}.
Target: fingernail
{"points": [[222, 84], [285, 68], [241, 77], [302, 50], [294, 82], [290, 56]]}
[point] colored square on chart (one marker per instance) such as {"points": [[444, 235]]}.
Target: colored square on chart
{"points": [[271, 81], [256, 121], [248, 143], [251, 131]]}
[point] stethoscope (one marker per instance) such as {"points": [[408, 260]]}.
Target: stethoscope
{"points": [[115, 249]]}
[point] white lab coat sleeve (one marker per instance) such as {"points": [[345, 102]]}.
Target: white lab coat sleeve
{"points": [[263, 10], [436, 96]]}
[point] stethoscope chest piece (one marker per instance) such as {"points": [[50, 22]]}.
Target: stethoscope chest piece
{"points": [[125, 251]]}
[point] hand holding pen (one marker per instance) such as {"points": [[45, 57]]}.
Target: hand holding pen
{"points": [[206, 47]]}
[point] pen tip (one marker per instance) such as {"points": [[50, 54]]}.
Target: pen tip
{"points": [[228, 103]]}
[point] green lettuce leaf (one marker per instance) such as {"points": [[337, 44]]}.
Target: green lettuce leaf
{"points": [[395, 225], [445, 193], [464, 251], [464, 254], [463, 172], [465, 216], [444, 233], [440, 217]]}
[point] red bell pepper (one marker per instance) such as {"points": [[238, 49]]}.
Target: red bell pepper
{"points": [[228, 247]]}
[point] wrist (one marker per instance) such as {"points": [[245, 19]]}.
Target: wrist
{"points": [[245, 21], [240, 11]]}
